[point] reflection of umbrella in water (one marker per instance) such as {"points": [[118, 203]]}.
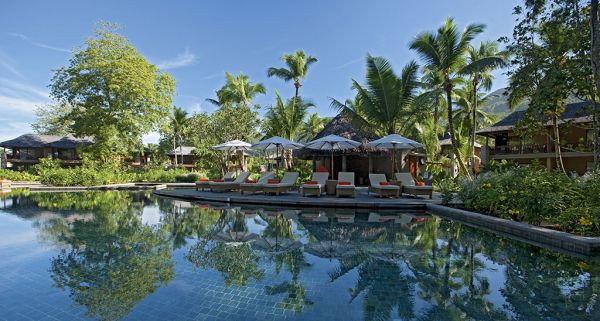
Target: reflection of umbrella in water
{"points": [[276, 244], [330, 249], [235, 238]]}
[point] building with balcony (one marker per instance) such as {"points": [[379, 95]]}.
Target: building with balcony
{"points": [[504, 142]]}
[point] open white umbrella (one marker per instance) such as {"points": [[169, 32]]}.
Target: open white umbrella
{"points": [[332, 143], [233, 145], [395, 142], [276, 143]]}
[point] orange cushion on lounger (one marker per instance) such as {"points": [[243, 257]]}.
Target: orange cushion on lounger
{"points": [[202, 179], [249, 181], [420, 184], [344, 183], [218, 180], [311, 182], [273, 181], [384, 183]]}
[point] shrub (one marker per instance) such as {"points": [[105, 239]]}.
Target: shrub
{"points": [[534, 195], [448, 188], [15, 175]]}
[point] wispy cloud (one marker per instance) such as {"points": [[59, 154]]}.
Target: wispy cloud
{"points": [[7, 63], [36, 43], [213, 76], [349, 63], [20, 97], [184, 59]]}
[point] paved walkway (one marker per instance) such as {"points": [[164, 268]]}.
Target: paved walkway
{"points": [[362, 200]]}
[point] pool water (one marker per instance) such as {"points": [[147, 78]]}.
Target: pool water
{"points": [[136, 256]]}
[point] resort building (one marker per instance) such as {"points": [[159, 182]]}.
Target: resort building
{"points": [[576, 135], [27, 150], [185, 157], [446, 150], [362, 160]]}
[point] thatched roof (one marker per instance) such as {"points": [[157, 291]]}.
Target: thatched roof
{"points": [[342, 126], [579, 112], [40, 141]]}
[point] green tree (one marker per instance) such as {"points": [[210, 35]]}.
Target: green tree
{"points": [[385, 103], [312, 126], [286, 120], [51, 119], [116, 94], [179, 120], [237, 90], [595, 61], [297, 68], [444, 53], [481, 61], [550, 50]]}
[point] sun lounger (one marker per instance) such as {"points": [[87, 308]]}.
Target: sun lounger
{"points": [[409, 186], [316, 186], [385, 189], [229, 186], [345, 185], [258, 185], [205, 184], [285, 185]]}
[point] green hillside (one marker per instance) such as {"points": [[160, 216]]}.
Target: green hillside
{"points": [[497, 104]]}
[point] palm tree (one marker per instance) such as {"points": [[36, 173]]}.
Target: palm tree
{"points": [[178, 122], [286, 119], [313, 125], [386, 100], [297, 68], [444, 53], [480, 62], [237, 90]]}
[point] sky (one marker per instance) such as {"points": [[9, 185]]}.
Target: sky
{"points": [[198, 41]]}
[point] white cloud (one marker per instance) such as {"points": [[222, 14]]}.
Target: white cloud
{"points": [[195, 108], [182, 60], [349, 63], [213, 76], [8, 86], [35, 43], [19, 97], [7, 63], [12, 104]]}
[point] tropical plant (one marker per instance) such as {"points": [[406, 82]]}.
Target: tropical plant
{"points": [[444, 53], [178, 122], [297, 68], [312, 126], [384, 104], [237, 90], [286, 120], [480, 63]]}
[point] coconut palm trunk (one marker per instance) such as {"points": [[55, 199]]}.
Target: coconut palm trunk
{"points": [[174, 150], [453, 140], [474, 123]]}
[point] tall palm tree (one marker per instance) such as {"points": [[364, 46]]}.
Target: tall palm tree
{"points": [[286, 119], [480, 63], [238, 90], [297, 68], [444, 53], [178, 122], [386, 99]]}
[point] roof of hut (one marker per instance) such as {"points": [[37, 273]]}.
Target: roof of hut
{"points": [[40, 141]]}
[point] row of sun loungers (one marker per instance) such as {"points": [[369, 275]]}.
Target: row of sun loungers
{"points": [[345, 186]]}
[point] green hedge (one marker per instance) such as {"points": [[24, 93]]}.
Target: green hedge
{"points": [[17, 175], [536, 196]]}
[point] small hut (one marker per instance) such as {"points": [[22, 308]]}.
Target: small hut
{"points": [[362, 160]]}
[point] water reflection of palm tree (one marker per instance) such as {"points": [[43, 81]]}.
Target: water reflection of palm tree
{"points": [[186, 222]]}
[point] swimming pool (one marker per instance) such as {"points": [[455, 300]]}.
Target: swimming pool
{"points": [[135, 256]]}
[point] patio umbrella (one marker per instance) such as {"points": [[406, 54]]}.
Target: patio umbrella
{"points": [[276, 143], [394, 142], [233, 145], [332, 142]]}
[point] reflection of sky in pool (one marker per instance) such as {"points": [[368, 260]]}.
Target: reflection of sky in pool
{"points": [[121, 255]]}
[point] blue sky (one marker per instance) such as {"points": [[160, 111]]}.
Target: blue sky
{"points": [[197, 41]]}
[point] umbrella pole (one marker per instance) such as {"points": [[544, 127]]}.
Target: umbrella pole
{"points": [[332, 162]]}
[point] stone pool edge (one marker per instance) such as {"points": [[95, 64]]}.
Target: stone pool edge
{"points": [[528, 233]]}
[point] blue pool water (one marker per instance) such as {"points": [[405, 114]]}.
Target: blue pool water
{"points": [[135, 256]]}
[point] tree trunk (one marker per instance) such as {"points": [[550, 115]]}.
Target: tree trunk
{"points": [[595, 35], [474, 124], [297, 85], [557, 151], [174, 150], [457, 155], [181, 151]]}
